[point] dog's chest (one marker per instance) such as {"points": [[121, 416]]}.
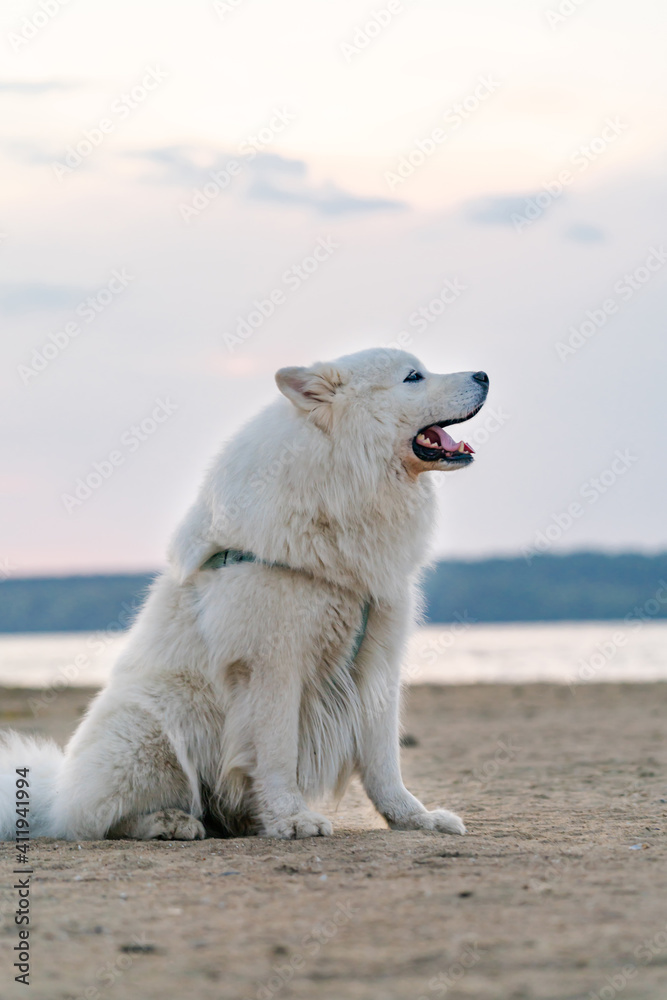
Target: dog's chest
{"points": [[341, 631]]}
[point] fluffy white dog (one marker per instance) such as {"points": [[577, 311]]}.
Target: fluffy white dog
{"points": [[263, 670]]}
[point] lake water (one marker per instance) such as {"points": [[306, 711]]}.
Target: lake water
{"points": [[558, 652]]}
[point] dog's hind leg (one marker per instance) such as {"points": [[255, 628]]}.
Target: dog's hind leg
{"points": [[124, 777]]}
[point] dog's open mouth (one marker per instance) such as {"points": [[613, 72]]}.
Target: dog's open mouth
{"points": [[434, 444]]}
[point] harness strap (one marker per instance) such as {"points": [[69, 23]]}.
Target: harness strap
{"points": [[230, 557], [361, 632]]}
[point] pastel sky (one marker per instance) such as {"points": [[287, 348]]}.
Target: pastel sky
{"points": [[485, 182]]}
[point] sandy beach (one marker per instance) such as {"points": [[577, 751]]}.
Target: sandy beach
{"points": [[558, 892]]}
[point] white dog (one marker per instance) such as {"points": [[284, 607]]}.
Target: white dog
{"points": [[263, 670]]}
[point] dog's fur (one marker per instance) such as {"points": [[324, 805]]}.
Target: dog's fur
{"points": [[236, 702]]}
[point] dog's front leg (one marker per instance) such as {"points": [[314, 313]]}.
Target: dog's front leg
{"points": [[380, 769], [275, 699]]}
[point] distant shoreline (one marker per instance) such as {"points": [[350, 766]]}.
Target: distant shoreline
{"points": [[569, 654], [581, 586]]}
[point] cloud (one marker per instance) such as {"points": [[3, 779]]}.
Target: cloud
{"points": [[502, 210], [287, 183], [267, 177], [34, 88], [583, 233], [16, 298], [184, 165], [496, 210]]}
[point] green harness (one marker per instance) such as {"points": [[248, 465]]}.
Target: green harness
{"points": [[229, 557]]}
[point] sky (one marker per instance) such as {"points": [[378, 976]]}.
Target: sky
{"points": [[483, 184]]}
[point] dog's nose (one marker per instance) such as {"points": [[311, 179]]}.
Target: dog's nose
{"points": [[481, 377]]}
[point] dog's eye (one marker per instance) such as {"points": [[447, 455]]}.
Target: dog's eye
{"points": [[414, 377]]}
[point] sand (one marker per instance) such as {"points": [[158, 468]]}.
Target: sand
{"points": [[544, 898]]}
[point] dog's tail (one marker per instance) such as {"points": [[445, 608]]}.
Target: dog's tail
{"points": [[35, 761]]}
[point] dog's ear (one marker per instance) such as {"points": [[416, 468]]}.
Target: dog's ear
{"points": [[311, 390]]}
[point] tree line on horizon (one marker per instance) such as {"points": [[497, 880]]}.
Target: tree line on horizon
{"points": [[576, 587]]}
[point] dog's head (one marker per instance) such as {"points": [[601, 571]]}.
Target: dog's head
{"points": [[387, 403]]}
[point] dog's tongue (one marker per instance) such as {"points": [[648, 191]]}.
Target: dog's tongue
{"points": [[446, 440], [438, 437]]}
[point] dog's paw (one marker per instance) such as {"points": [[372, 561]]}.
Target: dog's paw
{"points": [[439, 819], [173, 824], [302, 824]]}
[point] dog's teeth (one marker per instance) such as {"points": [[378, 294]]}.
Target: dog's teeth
{"points": [[461, 448]]}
